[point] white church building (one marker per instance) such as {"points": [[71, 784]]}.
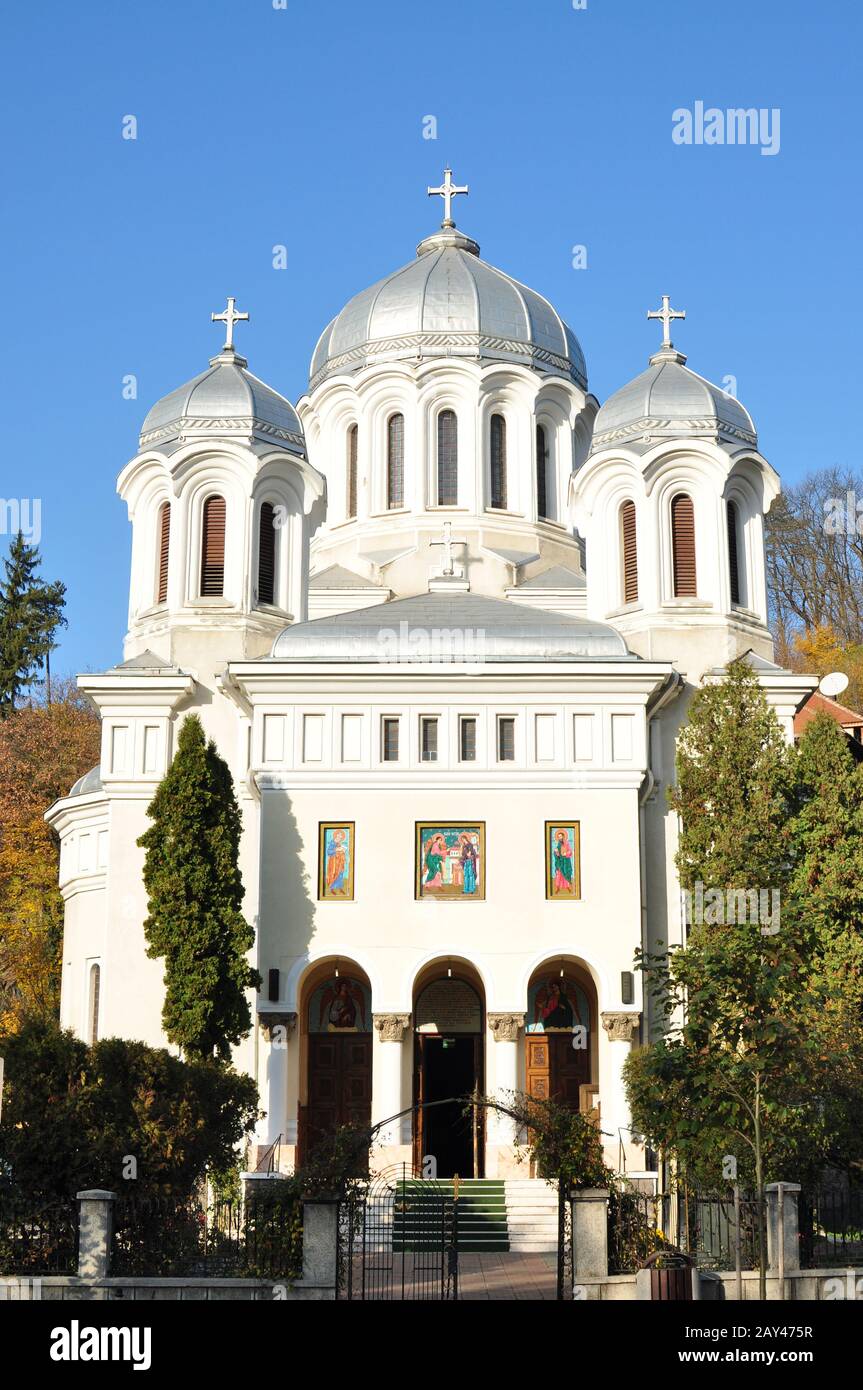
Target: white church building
{"points": [[443, 618]]}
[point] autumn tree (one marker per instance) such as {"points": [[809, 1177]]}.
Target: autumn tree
{"points": [[30, 613], [195, 891]]}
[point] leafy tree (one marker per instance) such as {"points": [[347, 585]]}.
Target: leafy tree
{"points": [[44, 748], [73, 1116], [30, 613], [192, 877]]}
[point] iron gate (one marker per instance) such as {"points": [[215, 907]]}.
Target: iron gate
{"points": [[398, 1239]]}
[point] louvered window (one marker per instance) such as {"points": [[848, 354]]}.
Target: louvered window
{"points": [[683, 546], [95, 989], [396, 461], [164, 549], [467, 740], [267, 554], [629, 548], [390, 740], [351, 490], [498, 461], [213, 547], [541, 472], [447, 459], [733, 552], [428, 740], [506, 739]]}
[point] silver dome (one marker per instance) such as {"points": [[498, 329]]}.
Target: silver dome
{"points": [[669, 401], [225, 400], [449, 628], [448, 303], [90, 782]]}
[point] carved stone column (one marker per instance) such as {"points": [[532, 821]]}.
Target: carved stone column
{"points": [[278, 1027], [505, 1029], [387, 1074], [622, 1027]]}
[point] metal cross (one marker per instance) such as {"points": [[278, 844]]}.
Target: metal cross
{"points": [[448, 191], [229, 318], [666, 315], [448, 542]]}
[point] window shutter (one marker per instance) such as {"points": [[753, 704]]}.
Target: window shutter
{"points": [[630, 552], [541, 469], [683, 546], [467, 733], [733, 557], [447, 459], [391, 741], [506, 739], [396, 461], [164, 549], [353, 440], [267, 554], [213, 547], [498, 461]]}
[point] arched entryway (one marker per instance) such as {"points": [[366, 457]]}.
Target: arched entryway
{"points": [[336, 1051], [561, 1060], [449, 1063]]}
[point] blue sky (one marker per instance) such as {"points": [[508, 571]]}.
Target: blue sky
{"points": [[303, 126]]}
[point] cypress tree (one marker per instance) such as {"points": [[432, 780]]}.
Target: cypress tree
{"points": [[30, 613], [195, 891]]}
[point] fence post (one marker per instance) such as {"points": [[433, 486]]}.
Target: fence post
{"points": [[321, 1241], [783, 1246], [590, 1233], [94, 1232]]}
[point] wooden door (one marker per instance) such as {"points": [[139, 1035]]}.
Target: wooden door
{"points": [[537, 1065], [340, 1083]]}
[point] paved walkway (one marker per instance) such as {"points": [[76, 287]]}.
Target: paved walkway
{"points": [[502, 1277]]}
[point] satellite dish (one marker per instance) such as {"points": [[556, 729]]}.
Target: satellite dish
{"points": [[833, 684]]}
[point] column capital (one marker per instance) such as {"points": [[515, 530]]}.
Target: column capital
{"points": [[506, 1027], [269, 1019], [392, 1027], [621, 1026]]}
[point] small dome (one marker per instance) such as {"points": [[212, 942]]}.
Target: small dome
{"points": [[669, 401], [224, 400], [443, 628], [90, 782], [448, 303]]}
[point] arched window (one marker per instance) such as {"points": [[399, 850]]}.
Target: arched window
{"points": [[213, 547], [683, 546], [541, 472], [629, 552], [267, 554], [396, 461], [447, 459], [164, 541], [351, 489], [498, 461], [93, 1004], [731, 517]]}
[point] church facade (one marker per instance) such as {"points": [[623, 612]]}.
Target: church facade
{"points": [[443, 618]]}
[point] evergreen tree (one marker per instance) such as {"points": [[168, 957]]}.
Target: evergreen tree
{"points": [[30, 613], [195, 891]]}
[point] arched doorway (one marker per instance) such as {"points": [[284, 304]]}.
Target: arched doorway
{"points": [[449, 1063], [561, 1060], [336, 1060]]}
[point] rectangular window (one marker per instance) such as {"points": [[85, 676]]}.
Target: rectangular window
{"points": [[390, 741], [467, 740], [506, 739], [428, 740]]}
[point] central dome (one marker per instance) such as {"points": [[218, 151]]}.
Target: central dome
{"points": [[448, 303]]}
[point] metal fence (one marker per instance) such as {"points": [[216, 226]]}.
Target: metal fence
{"points": [[831, 1227], [707, 1226], [257, 1238], [38, 1237]]}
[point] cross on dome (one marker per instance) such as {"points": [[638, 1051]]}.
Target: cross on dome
{"points": [[448, 542], [229, 318], [448, 190], [666, 314]]}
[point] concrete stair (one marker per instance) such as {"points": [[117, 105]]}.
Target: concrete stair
{"points": [[482, 1217], [531, 1215]]}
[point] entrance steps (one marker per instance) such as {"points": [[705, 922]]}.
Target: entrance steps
{"points": [[482, 1216], [531, 1215]]}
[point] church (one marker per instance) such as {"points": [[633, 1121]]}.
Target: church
{"points": [[443, 618]]}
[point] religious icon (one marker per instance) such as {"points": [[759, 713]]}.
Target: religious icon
{"points": [[336, 862], [340, 1005], [562, 869], [557, 1004], [450, 861]]}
